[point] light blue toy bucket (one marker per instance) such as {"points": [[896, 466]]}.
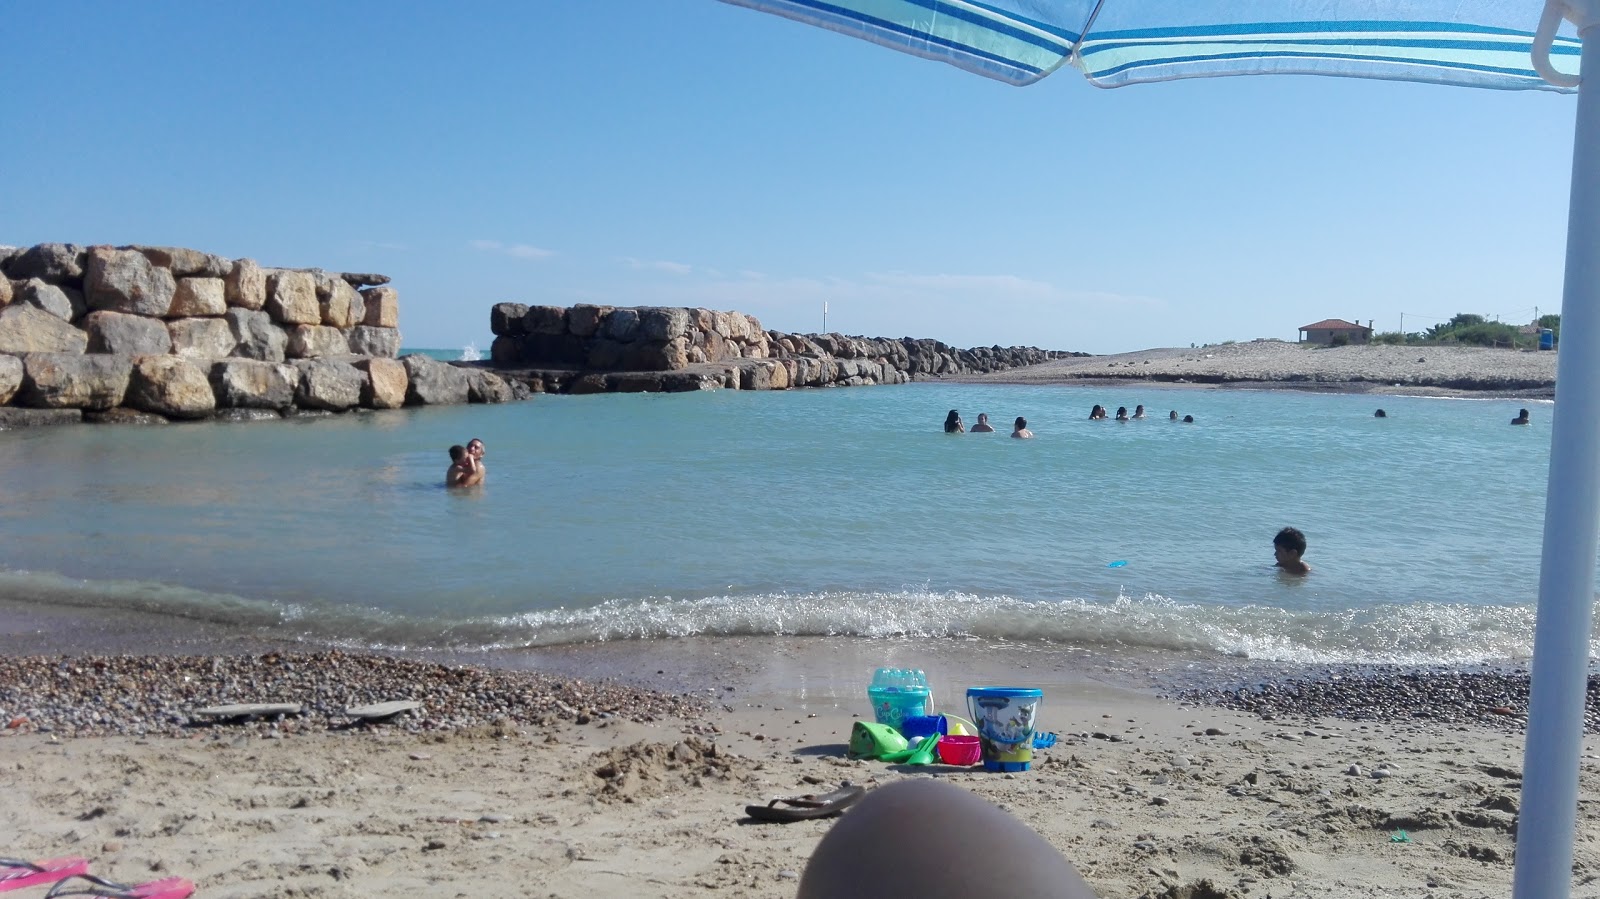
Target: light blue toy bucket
{"points": [[893, 705], [1006, 719]]}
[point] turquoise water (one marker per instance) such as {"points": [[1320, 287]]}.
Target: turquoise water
{"points": [[812, 512]]}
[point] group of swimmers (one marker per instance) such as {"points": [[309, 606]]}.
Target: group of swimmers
{"points": [[466, 465], [1521, 419], [954, 425]]}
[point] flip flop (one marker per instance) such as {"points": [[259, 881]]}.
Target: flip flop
{"points": [[870, 740], [16, 873], [168, 888], [809, 807]]}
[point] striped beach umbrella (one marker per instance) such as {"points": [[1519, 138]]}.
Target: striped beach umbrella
{"points": [[1500, 44]]}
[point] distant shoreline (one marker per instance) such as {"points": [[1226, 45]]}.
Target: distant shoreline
{"points": [[1480, 372]]}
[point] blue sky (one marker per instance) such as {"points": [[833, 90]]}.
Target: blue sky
{"points": [[687, 152]]}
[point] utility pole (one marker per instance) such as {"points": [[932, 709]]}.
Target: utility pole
{"points": [[824, 316]]}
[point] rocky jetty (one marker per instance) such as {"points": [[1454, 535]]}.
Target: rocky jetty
{"points": [[596, 349], [144, 334]]}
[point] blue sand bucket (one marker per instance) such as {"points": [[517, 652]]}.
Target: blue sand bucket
{"points": [[917, 728], [893, 705], [1006, 719]]}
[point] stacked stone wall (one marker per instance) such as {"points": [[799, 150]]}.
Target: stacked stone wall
{"points": [[146, 333], [592, 349]]}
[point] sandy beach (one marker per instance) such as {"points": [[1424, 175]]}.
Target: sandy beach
{"points": [[1428, 370], [506, 793]]}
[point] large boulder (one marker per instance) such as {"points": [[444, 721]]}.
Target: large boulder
{"points": [[369, 341], [663, 323], [505, 319], [7, 291], [252, 384], [202, 338], [199, 297], [311, 341], [125, 281], [10, 378], [184, 262], [245, 285], [584, 320], [292, 298], [63, 302], [340, 305], [385, 386], [326, 384], [129, 335], [73, 381], [545, 320], [487, 387], [622, 325], [382, 307], [434, 383], [58, 263], [29, 329], [170, 386], [257, 336]]}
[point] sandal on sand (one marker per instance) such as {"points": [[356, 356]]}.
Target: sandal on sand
{"points": [[16, 873], [169, 888], [809, 807]]}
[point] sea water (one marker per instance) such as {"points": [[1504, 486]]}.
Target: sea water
{"points": [[815, 512]]}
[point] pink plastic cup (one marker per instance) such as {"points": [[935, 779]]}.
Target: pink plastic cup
{"points": [[961, 749]]}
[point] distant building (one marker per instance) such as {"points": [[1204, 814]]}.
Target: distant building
{"points": [[1327, 331]]}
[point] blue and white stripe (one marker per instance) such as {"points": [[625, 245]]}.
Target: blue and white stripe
{"points": [[1474, 43]]}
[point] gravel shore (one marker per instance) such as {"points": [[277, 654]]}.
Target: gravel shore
{"points": [[1434, 370]]}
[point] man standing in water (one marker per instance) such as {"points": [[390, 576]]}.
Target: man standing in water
{"points": [[983, 426], [475, 450], [464, 470], [1288, 546]]}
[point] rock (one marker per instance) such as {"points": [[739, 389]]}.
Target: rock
{"points": [[663, 323], [256, 335], [10, 378], [1353, 771], [487, 387], [129, 335], [385, 385], [584, 320], [74, 381], [326, 384], [245, 285], [65, 303], [364, 279], [122, 415], [433, 383], [58, 263], [199, 297], [342, 307], [183, 262], [366, 340], [382, 307], [253, 384], [505, 319], [170, 386], [202, 338], [29, 329], [125, 281], [292, 298], [7, 291], [622, 325], [12, 418], [313, 341], [545, 320]]}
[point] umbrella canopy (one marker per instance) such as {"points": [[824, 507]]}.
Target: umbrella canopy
{"points": [[1509, 45]]}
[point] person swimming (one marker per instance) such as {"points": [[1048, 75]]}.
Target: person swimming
{"points": [[1122, 413], [1380, 414], [1287, 548], [1138, 412], [463, 470], [1021, 431], [952, 423], [1522, 418], [1188, 419], [1173, 415], [1097, 413], [983, 426]]}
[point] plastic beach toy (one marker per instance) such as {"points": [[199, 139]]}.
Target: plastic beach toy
{"points": [[897, 694], [916, 728], [1120, 563], [960, 750], [1006, 717], [920, 754], [870, 741]]}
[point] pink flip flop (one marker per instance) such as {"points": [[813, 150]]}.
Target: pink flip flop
{"points": [[16, 873], [169, 888]]}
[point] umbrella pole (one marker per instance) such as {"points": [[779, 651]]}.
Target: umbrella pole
{"points": [[1571, 530]]}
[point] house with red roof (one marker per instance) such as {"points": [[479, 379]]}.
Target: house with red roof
{"points": [[1327, 332]]}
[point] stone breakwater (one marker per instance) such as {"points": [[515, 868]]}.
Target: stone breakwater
{"points": [[87, 695], [1496, 700], [148, 334], [595, 349]]}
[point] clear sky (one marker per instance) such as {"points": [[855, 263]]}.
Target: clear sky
{"points": [[687, 152]]}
